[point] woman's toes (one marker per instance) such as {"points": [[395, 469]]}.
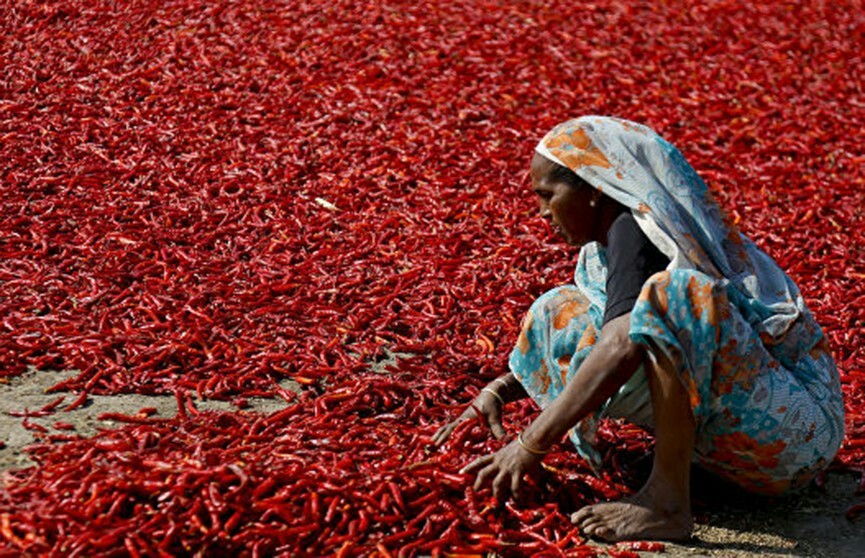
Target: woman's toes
{"points": [[586, 513], [581, 514], [595, 530], [604, 533], [590, 526]]}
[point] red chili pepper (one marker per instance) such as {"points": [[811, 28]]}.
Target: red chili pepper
{"points": [[331, 509], [50, 407], [180, 397], [77, 402], [29, 425], [120, 417], [344, 550]]}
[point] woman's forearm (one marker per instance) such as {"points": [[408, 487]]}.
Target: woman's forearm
{"points": [[608, 366], [509, 388]]}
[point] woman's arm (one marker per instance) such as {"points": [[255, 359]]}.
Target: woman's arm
{"points": [[610, 364]]}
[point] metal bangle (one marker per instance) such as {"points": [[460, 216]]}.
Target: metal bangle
{"points": [[496, 395], [501, 381], [530, 449]]}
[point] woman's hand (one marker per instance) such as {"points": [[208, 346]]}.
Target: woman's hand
{"points": [[504, 469], [488, 403]]}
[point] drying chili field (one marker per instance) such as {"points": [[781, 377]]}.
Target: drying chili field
{"points": [[215, 199]]}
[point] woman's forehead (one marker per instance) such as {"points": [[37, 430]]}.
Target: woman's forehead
{"points": [[540, 166]]}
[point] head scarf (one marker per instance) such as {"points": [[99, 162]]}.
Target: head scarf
{"points": [[672, 205]]}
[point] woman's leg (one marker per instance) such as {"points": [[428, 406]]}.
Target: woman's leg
{"points": [[662, 508]]}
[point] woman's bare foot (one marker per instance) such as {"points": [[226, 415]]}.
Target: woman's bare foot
{"points": [[648, 515]]}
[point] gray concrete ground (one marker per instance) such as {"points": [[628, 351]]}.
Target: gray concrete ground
{"points": [[28, 392]]}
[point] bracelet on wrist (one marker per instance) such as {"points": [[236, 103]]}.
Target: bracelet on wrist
{"points": [[501, 381], [495, 394], [529, 448]]}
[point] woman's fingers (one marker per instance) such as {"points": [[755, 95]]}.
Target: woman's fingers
{"points": [[516, 481], [487, 406], [505, 482], [443, 433], [494, 419], [500, 485], [500, 470], [582, 515], [477, 463], [487, 472]]}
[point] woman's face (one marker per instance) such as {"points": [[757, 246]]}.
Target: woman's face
{"points": [[567, 205]]}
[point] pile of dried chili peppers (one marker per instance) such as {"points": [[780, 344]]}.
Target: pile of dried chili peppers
{"points": [[211, 197]]}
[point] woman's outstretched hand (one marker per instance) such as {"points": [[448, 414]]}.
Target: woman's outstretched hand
{"points": [[488, 404], [504, 469]]}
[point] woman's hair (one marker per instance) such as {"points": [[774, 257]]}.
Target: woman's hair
{"points": [[561, 173]]}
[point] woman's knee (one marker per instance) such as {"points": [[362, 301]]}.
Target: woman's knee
{"points": [[551, 317], [560, 305]]}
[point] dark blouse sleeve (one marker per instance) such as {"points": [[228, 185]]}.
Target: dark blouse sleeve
{"points": [[631, 260]]}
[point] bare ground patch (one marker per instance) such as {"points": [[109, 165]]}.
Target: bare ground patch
{"points": [[27, 392]]}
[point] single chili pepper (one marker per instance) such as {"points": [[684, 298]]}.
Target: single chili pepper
{"points": [[363, 521], [332, 509], [77, 402], [600, 486], [131, 547], [288, 396], [344, 550], [288, 412], [180, 397], [524, 516], [50, 407], [120, 417], [233, 521], [25, 413], [449, 478], [29, 425], [549, 519], [383, 550]]}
